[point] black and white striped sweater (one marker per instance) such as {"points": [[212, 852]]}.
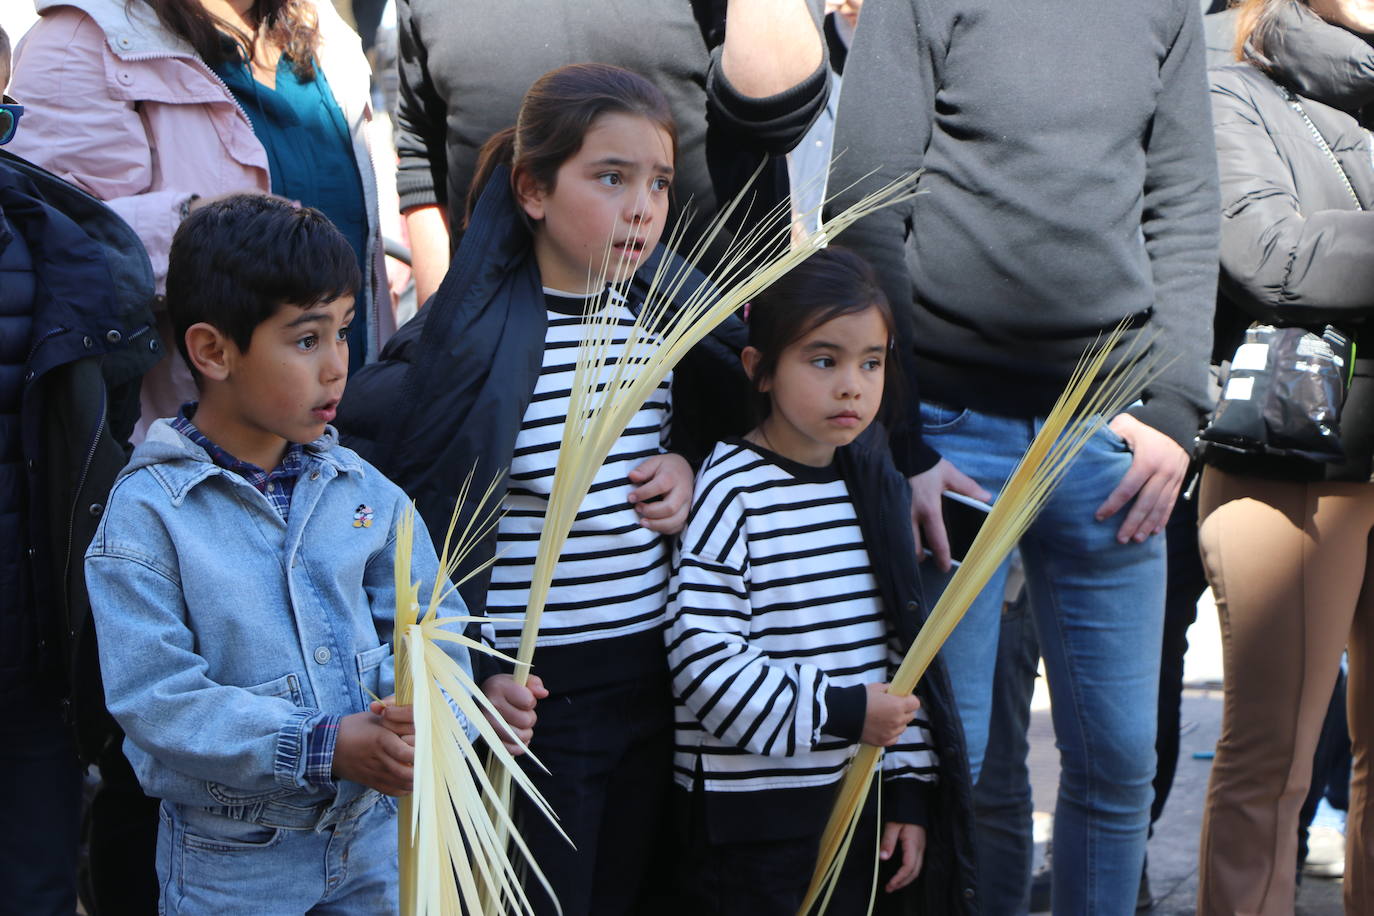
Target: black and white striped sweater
{"points": [[611, 578], [776, 623]]}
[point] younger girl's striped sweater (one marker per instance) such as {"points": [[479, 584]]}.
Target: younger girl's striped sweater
{"points": [[776, 626]]}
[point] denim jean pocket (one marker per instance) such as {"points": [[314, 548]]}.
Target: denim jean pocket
{"points": [[217, 833], [937, 418], [1113, 438]]}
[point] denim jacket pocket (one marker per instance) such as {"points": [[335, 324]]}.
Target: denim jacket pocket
{"points": [[370, 671], [288, 687], [217, 833]]}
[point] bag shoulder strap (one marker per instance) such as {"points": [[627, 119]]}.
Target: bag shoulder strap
{"points": [[1296, 105]]}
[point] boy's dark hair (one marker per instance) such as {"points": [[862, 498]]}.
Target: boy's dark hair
{"points": [[830, 284], [236, 260], [556, 114]]}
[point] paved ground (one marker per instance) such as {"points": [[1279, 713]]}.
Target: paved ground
{"points": [[1173, 850]]}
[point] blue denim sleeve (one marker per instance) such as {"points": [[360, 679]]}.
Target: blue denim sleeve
{"points": [[157, 688]]}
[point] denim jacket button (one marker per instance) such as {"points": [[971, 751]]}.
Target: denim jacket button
{"points": [[322, 655], [96, 509]]}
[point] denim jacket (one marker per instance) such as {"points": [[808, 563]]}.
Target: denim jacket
{"points": [[227, 634]]}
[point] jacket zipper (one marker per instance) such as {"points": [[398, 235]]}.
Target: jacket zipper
{"points": [[71, 516]]}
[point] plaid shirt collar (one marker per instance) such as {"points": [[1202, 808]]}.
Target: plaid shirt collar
{"points": [[276, 484]]}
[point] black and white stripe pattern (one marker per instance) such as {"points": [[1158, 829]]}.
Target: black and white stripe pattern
{"points": [[773, 601], [612, 576]]}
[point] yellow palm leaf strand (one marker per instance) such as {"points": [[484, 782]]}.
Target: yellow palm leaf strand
{"points": [[450, 849], [1079, 414]]}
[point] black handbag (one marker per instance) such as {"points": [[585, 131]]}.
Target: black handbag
{"points": [[1285, 387], [1283, 394]]}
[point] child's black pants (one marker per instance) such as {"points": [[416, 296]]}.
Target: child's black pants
{"points": [[609, 754]]}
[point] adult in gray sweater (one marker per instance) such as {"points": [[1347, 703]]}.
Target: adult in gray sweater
{"points": [[1071, 185]]}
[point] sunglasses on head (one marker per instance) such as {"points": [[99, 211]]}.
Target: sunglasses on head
{"points": [[10, 113]]}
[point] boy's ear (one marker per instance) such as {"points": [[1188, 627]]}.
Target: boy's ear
{"points": [[750, 357], [529, 195], [209, 351]]}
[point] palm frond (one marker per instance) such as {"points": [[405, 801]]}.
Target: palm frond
{"points": [[454, 834], [1080, 412]]}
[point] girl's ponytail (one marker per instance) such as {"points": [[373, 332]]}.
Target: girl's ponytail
{"points": [[498, 150]]}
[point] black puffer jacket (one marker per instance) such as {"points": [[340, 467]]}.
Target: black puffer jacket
{"points": [[76, 336], [882, 501], [1297, 246]]}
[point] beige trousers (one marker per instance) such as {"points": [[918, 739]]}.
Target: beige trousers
{"points": [[1290, 566]]}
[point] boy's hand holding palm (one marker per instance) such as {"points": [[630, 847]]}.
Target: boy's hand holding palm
{"points": [[377, 748]]}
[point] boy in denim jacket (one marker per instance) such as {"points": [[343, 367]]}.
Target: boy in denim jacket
{"points": [[243, 587]]}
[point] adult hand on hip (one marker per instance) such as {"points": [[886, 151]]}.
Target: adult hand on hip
{"points": [[1158, 467]]}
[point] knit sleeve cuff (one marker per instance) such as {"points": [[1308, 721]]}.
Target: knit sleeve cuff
{"points": [[1173, 416], [845, 708], [906, 800], [415, 188]]}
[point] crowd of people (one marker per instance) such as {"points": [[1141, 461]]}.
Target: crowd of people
{"points": [[215, 412]]}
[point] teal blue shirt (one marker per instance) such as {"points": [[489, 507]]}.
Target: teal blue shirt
{"points": [[310, 157]]}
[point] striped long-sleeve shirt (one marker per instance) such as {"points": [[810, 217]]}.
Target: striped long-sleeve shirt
{"points": [[611, 579], [776, 624]]}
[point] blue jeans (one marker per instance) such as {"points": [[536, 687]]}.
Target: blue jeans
{"points": [[1098, 609], [207, 863]]}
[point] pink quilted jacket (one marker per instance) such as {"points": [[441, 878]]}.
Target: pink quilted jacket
{"points": [[124, 109]]}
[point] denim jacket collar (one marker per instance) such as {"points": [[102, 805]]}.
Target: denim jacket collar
{"points": [[179, 464]]}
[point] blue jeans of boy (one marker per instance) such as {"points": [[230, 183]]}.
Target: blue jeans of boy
{"points": [[1098, 609], [207, 863]]}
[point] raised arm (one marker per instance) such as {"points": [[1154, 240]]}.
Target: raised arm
{"points": [[422, 169], [769, 80]]}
